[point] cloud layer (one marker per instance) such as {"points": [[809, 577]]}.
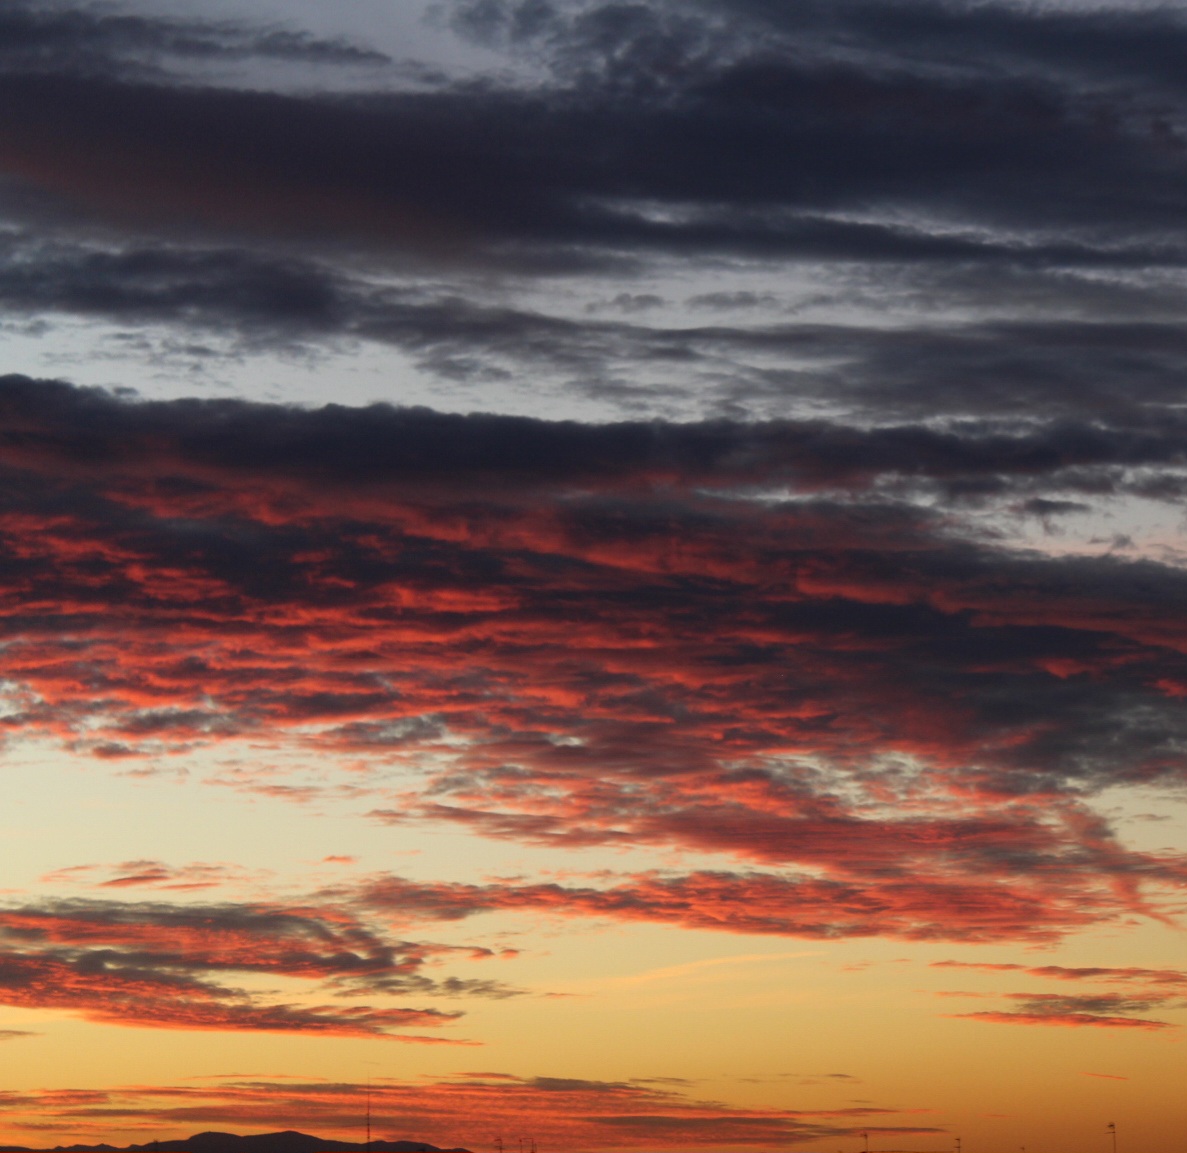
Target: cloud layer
{"points": [[564, 1112], [845, 603], [611, 635], [161, 965], [925, 208]]}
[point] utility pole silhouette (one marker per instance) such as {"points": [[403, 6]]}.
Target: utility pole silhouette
{"points": [[866, 1138], [368, 1122], [1113, 1133], [957, 1145], [498, 1145]]}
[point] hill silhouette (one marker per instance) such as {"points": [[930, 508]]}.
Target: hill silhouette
{"points": [[288, 1141]]}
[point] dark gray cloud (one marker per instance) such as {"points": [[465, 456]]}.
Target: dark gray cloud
{"points": [[768, 147], [1126, 372], [1007, 184], [250, 293], [52, 426], [975, 111], [62, 37]]}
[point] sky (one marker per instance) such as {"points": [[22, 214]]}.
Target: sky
{"points": [[599, 572]]}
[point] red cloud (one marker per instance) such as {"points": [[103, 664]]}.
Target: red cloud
{"points": [[559, 1112], [152, 874], [165, 966], [118, 995], [816, 686], [751, 902]]}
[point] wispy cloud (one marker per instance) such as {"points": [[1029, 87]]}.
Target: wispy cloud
{"points": [[1074, 1012], [152, 964], [563, 1111], [153, 874], [1156, 989]]}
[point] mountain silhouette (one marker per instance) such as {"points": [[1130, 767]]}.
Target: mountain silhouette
{"points": [[289, 1141]]}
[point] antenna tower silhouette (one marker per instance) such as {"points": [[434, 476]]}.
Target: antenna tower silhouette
{"points": [[1112, 1127]]}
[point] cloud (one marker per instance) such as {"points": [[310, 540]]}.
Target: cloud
{"points": [[920, 105], [158, 965], [1005, 183], [1126, 974], [1073, 1012], [932, 267], [878, 128], [40, 38], [562, 1111], [624, 640], [1156, 989], [153, 874], [749, 903]]}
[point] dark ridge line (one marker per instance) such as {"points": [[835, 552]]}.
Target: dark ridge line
{"points": [[288, 1141]]}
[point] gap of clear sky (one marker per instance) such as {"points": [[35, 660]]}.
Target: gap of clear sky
{"points": [[608, 571]]}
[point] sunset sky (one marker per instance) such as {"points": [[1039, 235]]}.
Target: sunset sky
{"points": [[609, 572]]}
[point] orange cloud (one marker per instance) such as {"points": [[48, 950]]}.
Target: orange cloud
{"points": [[560, 1112]]}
